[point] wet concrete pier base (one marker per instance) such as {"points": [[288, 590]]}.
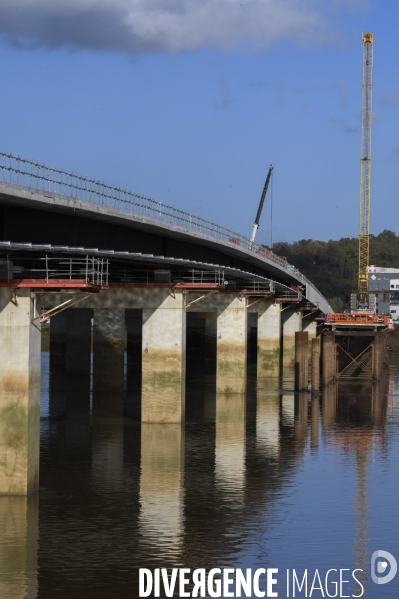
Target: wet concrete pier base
{"points": [[269, 333], [164, 361], [231, 366], [301, 361], [20, 350]]}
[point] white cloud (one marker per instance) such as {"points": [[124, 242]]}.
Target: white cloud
{"points": [[160, 25]]}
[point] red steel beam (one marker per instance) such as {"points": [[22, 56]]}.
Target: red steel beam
{"points": [[51, 284]]}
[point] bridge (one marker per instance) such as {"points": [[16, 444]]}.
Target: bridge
{"points": [[136, 276]]}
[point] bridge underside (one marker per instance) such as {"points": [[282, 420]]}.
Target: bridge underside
{"points": [[22, 224]]}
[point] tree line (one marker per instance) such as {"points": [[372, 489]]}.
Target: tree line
{"points": [[332, 265]]}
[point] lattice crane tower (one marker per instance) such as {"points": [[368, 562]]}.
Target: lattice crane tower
{"points": [[365, 168]]}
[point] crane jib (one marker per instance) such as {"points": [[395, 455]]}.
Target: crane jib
{"points": [[262, 199]]}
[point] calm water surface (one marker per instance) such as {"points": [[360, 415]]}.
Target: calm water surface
{"points": [[270, 480]]}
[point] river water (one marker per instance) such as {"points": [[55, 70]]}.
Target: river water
{"points": [[270, 480]]}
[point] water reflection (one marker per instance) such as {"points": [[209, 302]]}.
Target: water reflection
{"points": [[107, 453], [230, 444], [314, 431], [18, 547], [268, 423], [301, 407], [161, 489], [224, 490], [354, 416]]}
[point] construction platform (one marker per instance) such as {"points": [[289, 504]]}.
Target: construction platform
{"points": [[354, 345]]}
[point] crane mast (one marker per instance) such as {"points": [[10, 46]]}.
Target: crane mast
{"points": [[260, 207], [365, 169]]}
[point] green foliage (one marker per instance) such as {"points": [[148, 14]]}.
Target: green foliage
{"points": [[332, 265]]}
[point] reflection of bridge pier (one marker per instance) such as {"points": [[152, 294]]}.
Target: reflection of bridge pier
{"points": [[268, 423], [301, 418], [19, 523], [354, 416], [161, 486], [230, 443], [107, 452]]}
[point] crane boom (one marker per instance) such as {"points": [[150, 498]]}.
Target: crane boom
{"points": [[365, 168], [260, 207]]}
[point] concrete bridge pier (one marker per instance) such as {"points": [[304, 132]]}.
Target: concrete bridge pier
{"points": [[58, 332], [134, 325], [70, 363], [164, 359], [269, 339], [291, 324], [20, 349], [301, 361], [57, 362], [210, 342], [310, 327], [108, 359], [78, 361], [231, 360]]}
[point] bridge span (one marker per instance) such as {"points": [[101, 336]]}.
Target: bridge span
{"points": [[137, 276]]}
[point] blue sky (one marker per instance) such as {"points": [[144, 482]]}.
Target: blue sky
{"points": [[190, 102]]}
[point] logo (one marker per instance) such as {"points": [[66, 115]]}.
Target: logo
{"points": [[379, 564]]}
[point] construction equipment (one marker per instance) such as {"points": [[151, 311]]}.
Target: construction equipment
{"points": [[342, 319], [262, 201], [365, 168]]}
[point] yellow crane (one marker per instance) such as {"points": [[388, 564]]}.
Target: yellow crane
{"points": [[365, 168]]}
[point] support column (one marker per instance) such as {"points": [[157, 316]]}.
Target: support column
{"points": [[108, 363], [57, 374], [301, 361], [329, 358], [379, 353], [315, 364], [231, 365], [269, 339], [164, 361], [210, 342], [134, 326], [310, 327], [292, 323], [78, 361], [58, 331], [78, 342], [20, 349]]}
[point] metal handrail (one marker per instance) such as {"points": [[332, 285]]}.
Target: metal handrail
{"points": [[33, 175]]}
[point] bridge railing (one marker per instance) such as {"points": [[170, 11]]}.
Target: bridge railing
{"points": [[33, 175]]}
